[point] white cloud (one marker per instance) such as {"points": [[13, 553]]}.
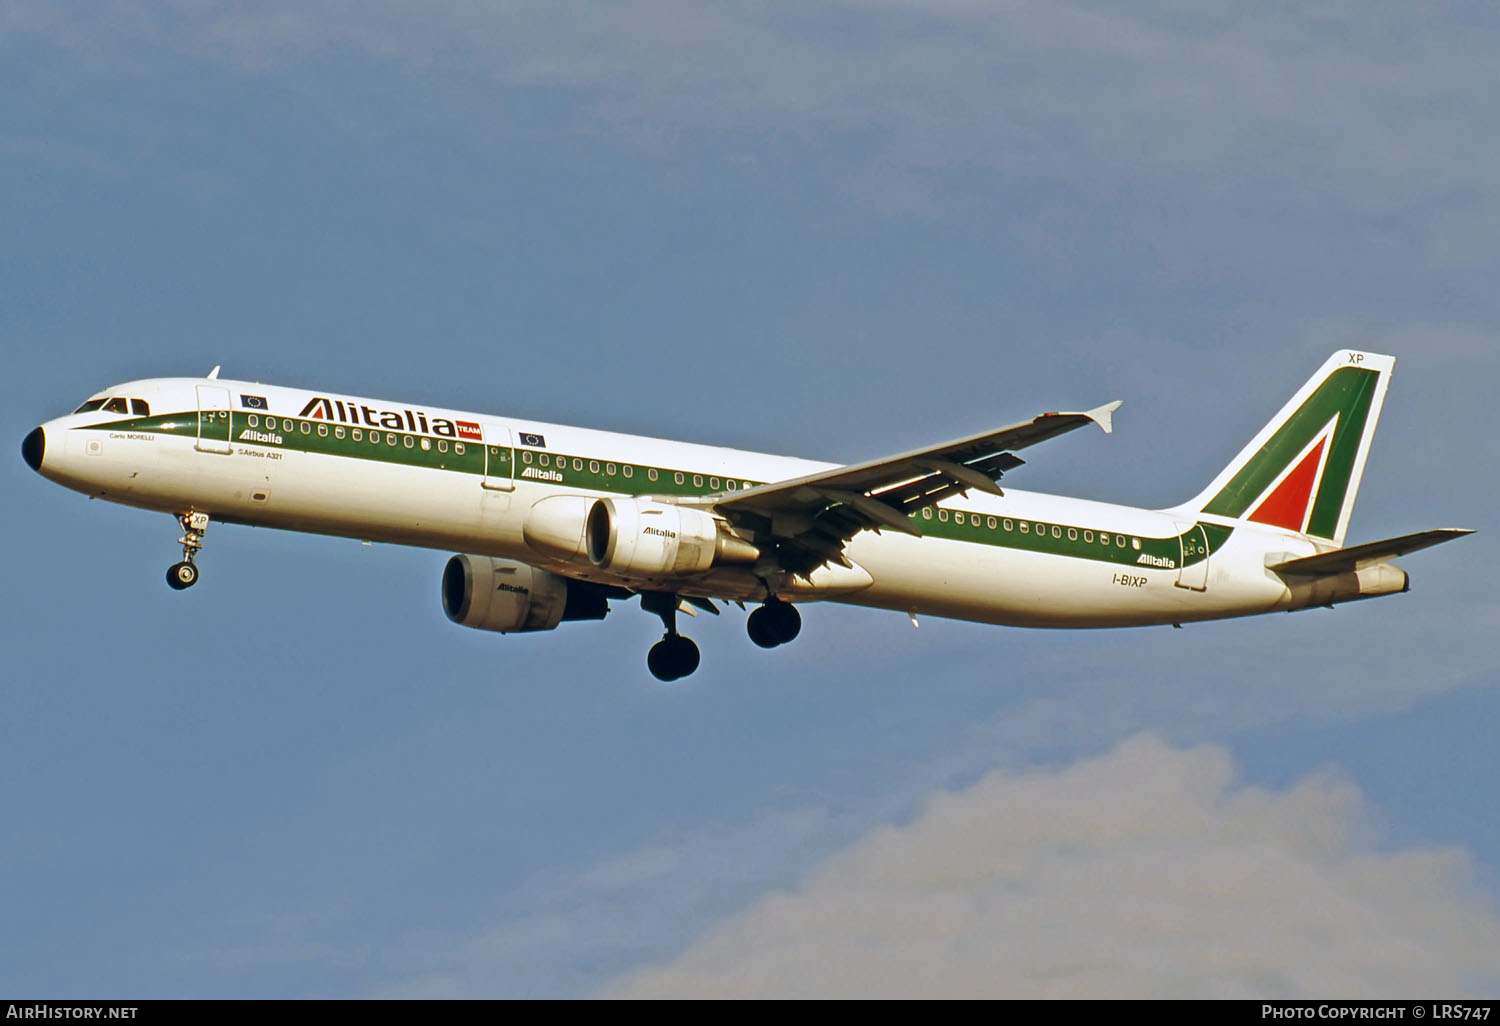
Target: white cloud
{"points": [[1145, 872], [560, 934]]}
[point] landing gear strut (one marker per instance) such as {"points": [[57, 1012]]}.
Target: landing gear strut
{"points": [[673, 657], [185, 574], [774, 623]]}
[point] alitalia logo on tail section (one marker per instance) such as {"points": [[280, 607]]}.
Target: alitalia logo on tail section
{"points": [[322, 408], [1288, 501], [1302, 475]]}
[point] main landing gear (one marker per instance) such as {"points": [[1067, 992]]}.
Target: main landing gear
{"points": [[774, 623], [185, 574], [673, 657]]}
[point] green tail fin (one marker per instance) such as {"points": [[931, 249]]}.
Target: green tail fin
{"points": [[1302, 471]]}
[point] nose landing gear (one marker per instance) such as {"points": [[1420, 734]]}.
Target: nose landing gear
{"points": [[185, 574]]}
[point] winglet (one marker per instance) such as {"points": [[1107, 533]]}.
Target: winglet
{"points": [[1104, 415]]}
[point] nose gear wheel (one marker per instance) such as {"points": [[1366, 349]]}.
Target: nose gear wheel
{"points": [[185, 574]]}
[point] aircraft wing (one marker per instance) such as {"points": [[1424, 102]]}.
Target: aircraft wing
{"points": [[808, 519], [1356, 557]]}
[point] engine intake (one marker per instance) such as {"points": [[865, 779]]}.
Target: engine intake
{"points": [[509, 597], [641, 537]]}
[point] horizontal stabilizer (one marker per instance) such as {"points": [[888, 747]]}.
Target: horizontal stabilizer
{"points": [[1357, 557]]}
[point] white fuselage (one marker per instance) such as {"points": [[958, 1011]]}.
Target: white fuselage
{"points": [[443, 479]]}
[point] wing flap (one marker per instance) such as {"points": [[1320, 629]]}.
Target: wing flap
{"points": [[1357, 557], [811, 517]]}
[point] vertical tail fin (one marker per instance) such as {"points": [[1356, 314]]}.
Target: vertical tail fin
{"points": [[1302, 471]]}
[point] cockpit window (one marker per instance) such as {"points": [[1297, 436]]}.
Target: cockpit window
{"points": [[140, 407], [91, 406], [116, 405]]}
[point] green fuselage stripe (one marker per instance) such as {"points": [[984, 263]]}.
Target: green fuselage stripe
{"points": [[536, 466]]}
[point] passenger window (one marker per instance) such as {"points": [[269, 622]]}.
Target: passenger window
{"points": [[338, 432], [442, 445], [1120, 540], [1056, 531], [1088, 536], [306, 428], [1135, 543], [525, 454], [990, 523], [140, 407], [254, 420], [322, 430], [357, 434], [927, 513], [609, 468], [1072, 534], [677, 477], [943, 515], [651, 473], [577, 464], [91, 406], [270, 423], [697, 480], [1025, 527], [593, 466], [1008, 525], [731, 485], [406, 441], [629, 471], [116, 406], [713, 483], [458, 448]]}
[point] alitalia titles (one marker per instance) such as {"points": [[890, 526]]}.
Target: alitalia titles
{"points": [[322, 408], [1158, 561], [251, 435], [533, 473]]}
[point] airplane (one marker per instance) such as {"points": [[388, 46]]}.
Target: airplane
{"points": [[552, 523]]}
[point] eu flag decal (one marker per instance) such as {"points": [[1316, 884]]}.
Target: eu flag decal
{"points": [[253, 402], [535, 441]]}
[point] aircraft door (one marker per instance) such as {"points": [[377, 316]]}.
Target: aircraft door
{"points": [[213, 419], [1192, 570], [499, 459]]}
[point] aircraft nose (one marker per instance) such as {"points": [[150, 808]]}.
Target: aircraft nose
{"points": [[33, 448]]}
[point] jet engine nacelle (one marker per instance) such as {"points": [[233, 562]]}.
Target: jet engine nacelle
{"points": [[508, 596], [645, 538]]}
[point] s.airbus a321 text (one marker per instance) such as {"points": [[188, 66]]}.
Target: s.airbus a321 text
{"points": [[554, 523]]}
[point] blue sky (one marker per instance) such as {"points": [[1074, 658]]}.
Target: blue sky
{"points": [[830, 230]]}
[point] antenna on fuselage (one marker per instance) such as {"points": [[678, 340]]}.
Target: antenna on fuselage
{"points": [[213, 375]]}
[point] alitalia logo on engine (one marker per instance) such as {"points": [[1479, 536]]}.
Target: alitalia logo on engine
{"points": [[322, 408], [1160, 561]]}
